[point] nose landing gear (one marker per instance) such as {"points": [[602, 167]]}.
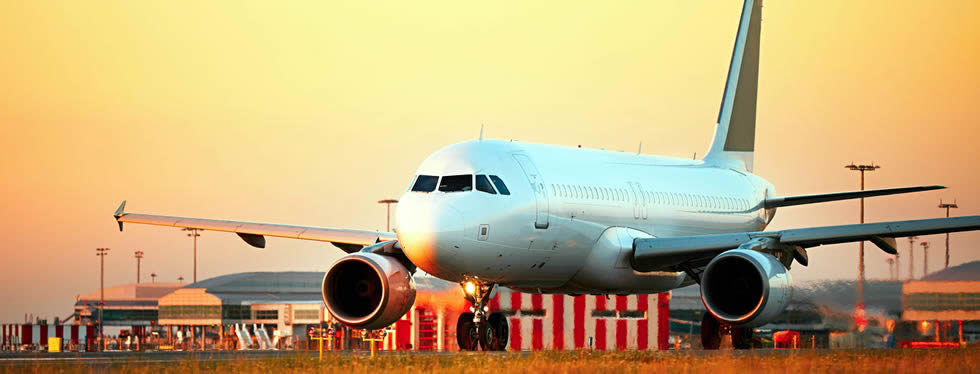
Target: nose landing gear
{"points": [[476, 329]]}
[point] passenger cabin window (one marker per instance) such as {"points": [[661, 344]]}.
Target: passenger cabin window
{"points": [[456, 183], [425, 183], [483, 184], [499, 183]]}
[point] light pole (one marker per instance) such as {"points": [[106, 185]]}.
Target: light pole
{"points": [[139, 256], [912, 257], [388, 202], [947, 206], [153, 276], [180, 279], [925, 258], [891, 267], [101, 252], [194, 234], [860, 285]]}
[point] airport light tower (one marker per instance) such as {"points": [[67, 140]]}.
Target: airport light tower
{"points": [[925, 258], [912, 257], [947, 206], [153, 276], [139, 256], [193, 233], [388, 202], [101, 252], [860, 284]]}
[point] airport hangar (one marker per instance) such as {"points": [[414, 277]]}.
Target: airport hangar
{"points": [[228, 312]]}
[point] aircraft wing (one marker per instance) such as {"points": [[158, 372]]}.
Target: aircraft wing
{"points": [[775, 202], [254, 233], [652, 254]]}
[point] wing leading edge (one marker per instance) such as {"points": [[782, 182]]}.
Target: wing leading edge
{"points": [[775, 202], [254, 234], [651, 254]]}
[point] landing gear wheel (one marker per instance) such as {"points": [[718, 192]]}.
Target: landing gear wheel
{"points": [[710, 332], [742, 337], [467, 335], [494, 333]]}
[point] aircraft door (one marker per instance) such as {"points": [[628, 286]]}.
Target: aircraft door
{"points": [[643, 200], [537, 185], [636, 200]]}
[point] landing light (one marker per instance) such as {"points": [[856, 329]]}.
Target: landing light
{"points": [[469, 288]]}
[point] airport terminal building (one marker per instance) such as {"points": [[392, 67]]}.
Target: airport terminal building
{"points": [[945, 305], [267, 310]]}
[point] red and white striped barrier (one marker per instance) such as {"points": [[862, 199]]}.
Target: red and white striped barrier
{"points": [[541, 322], [28, 334], [11, 335], [634, 322]]}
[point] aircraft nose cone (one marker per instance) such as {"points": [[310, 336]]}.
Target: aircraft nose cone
{"points": [[430, 235]]}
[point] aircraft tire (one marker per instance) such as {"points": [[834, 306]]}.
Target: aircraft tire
{"points": [[742, 337], [494, 333], [710, 332], [467, 335]]}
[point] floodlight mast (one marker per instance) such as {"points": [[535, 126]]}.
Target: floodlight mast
{"points": [[947, 206], [193, 232], [388, 203], [925, 258], [101, 252], [860, 283], [139, 256]]}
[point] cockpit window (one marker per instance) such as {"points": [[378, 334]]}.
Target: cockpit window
{"points": [[456, 183], [425, 183], [483, 184], [500, 185]]}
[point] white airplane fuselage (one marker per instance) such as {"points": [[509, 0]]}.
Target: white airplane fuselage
{"points": [[571, 215]]}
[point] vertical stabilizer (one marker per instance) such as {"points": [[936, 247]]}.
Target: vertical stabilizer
{"points": [[734, 140]]}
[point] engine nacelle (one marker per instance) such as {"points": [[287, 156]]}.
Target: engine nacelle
{"points": [[368, 290], [745, 287]]}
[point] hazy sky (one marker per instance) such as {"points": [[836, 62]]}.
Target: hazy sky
{"points": [[308, 112]]}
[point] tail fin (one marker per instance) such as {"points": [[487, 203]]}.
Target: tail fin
{"points": [[734, 140]]}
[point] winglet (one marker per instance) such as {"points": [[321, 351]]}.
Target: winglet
{"points": [[119, 213]]}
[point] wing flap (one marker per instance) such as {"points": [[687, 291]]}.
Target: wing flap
{"points": [[346, 239]]}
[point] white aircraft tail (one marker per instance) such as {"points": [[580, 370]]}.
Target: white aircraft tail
{"points": [[734, 140]]}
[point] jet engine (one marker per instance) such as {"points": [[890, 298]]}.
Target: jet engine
{"points": [[367, 290], [746, 288]]}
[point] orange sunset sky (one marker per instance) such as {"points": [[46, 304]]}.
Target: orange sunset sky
{"points": [[308, 112]]}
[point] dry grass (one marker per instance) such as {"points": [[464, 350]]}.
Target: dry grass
{"points": [[839, 361]]}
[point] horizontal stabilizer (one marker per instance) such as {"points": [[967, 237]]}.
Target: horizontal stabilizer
{"points": [[776, 202]]}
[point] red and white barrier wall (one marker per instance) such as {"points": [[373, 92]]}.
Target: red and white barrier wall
{"points": [[634, 322], [21, 334], [541, 322]]}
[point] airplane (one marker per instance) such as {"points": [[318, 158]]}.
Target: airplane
{"points": [[552, 219]]}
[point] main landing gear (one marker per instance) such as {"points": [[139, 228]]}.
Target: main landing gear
{"points": [[476, 329], [712, 330]]}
